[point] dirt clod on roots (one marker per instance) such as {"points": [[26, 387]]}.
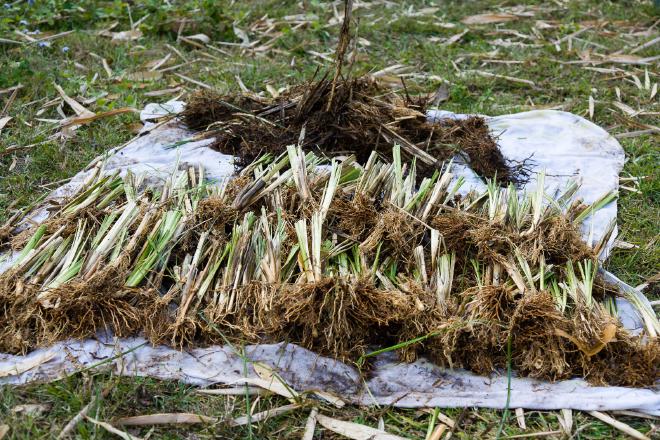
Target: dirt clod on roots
{"points": [[75, 310], [362, 117], [556, 238], [338, 317]]}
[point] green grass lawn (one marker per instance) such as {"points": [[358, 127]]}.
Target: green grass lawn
{"points": [[539, 58]]}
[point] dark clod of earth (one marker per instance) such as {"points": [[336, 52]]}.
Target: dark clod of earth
{"points": [[361, 117]]}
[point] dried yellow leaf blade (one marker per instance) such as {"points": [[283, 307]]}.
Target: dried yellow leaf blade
{"points": [[627, 429], [608, 334], [144, 76], [310, 425], [77, 107], [133, 34], [202, 38], [3, 121], [261, 416], [86, 119], [520, 418], [234, 391], [488, 18], [629, 59], [166, 419], [330, 398], [266, 373], [163, 92], [355, 431], [625, 108], [268, 376], [270, 385], [111, 429], [566, 421], [438, 431], [31, 409]]}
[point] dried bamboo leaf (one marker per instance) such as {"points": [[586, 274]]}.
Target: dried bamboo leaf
{"points": [[166, 419], [489, 18], [355, 431], [264, 415], [627, 429], [111, 429], [310, 425]]}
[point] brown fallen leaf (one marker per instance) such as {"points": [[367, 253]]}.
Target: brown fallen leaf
{"points": [[489, 18], [3, 121], [625, 59], [623, 427], [566, 421], [330, 398], [545, 24], [520, 418], [454, 38], [143, 76], [270, 385], [30, 409], [441, 95], [4, 429], [106, 67], [258, 417], [133, 34], [234, 391], [310, 425], [155, 64], [8, 41], [638, 414], [111, 429], [625, 108], [81, 120], [266, 373], [422, 12], [495, 75], [163, 92], [438, 431], [442, 417], [203, 38], [242, 35], [9, 103], [355, 431], [609, 332], [11, 89], [77, 107], [274, 93], [165, 419]]}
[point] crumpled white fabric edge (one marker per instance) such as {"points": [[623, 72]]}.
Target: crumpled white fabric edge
{"points": [[418, 384]]}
